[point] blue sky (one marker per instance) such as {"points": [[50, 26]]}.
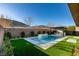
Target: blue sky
{"points": [[42, 13]]}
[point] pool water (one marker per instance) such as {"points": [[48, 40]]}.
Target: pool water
{"points": [[43, 39]]}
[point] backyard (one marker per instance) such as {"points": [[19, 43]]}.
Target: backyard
{"points": [[25, 48]]}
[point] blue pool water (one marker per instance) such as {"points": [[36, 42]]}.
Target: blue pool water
{"points": [[42, 39]]}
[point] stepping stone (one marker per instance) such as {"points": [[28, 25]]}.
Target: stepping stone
{"points": [[72, 40]]}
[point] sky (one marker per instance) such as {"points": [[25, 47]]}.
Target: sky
{"points": [[58, 14]]}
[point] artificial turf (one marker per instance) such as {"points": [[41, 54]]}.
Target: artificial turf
{"points": [[24, 48], [63, 48]]}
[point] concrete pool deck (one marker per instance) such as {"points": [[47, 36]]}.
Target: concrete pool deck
{"points": [[46, 45]]}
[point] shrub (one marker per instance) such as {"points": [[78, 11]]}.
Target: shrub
{"points": [[7, 48], [7, 35], [48, 32], [54, 32], [32, 33], [43, 32], [38, 32], [22, 34]]}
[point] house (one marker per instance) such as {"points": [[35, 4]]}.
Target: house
{"points": [[74, 9]]}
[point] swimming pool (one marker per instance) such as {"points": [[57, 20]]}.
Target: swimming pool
{"points": [[43, 40]]}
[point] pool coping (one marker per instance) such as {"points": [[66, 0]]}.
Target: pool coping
{"points": [[49, 44]]}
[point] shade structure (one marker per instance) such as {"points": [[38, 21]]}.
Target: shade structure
{"points": [[74, 9]]}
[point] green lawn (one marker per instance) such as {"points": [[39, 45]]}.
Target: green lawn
{"points": [[62, 48], [24, 48]]}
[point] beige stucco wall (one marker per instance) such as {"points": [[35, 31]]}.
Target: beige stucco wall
{"points": [[1, 35], [16, 32], [77, 28]]}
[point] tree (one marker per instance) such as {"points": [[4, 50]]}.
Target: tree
{"points": [[32, 33], [28, 21], [54, 31], [7, 35], [51, 32], [48, 32], [43, 32], [22, 34], [2, 16], [50, 24], [39, 32]]}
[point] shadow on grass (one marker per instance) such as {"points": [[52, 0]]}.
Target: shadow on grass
{"points": [[29, 51], [24, 48]]}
